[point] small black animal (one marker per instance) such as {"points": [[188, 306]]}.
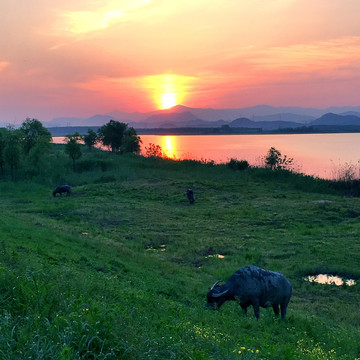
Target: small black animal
{"points": [[254, 286], [62, 189], [190, 196]]}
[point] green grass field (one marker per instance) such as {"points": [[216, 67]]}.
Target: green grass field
{"points": [[121, 268]]}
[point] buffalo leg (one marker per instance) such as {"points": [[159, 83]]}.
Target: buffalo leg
{"points": [[244, 309], [283, 310], [256, 309], [276, 309]]}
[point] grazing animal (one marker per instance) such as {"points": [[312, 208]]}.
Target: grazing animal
{"points": [[190, 196], [62, 189], [254, 286]]}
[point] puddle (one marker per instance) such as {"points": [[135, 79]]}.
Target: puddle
{"points": [[161, 248], [330, 280], [219, 256], [322, 202]]}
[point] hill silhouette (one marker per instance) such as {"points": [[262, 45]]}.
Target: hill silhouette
{"points": [[264, 118], [336, 119]]}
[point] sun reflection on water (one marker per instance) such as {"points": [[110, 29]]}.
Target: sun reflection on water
{"points": [[169, 146]]}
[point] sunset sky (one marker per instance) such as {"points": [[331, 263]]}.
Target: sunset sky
{"points": [[83, 57]]}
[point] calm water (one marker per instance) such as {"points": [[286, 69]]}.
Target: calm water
{"points": [[314, 154], [330, 279]]}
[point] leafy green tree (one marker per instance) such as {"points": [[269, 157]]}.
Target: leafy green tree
{"points": [[12, 149], [111, 134], [73, 147], [131, 141], [33, 131], [274, 160], [119, 138], [38, 152], [90, 139]]}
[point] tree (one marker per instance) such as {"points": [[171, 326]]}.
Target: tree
{"points": [[2, 147], [12, 149], [274, 160], [38, 152], [73, 148], [119, 137], [131, 142], [90, 139], [33, 131], [111, 134]]}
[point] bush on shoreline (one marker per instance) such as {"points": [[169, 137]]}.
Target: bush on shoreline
{"points": [[238, 164]]}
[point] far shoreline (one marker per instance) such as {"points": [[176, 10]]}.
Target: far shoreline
{"points": [[322, 129]]}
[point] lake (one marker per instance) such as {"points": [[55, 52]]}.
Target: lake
{"points": [[314, 154], [322, 155]]}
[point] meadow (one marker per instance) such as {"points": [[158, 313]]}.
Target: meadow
{"points": [[120, 269]]}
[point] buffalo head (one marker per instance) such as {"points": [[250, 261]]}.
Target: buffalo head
{"points": [[216, 296]]}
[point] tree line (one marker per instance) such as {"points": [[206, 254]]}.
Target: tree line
{"points": [[30, 144]]}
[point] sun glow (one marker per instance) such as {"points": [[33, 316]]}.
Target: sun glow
{"points": [[168, 90], [168, 100]]}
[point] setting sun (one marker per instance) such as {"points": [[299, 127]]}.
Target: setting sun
{"points": [[168, 100], [169, 90]]}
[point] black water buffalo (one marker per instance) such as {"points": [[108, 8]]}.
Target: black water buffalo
{"points": [[254, 286], [62, 189], [190, 196]]}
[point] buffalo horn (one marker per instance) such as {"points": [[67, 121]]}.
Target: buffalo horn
{"points": [[216, 295], [215, 284]]}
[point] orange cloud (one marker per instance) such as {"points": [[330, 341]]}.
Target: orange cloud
{"points": [[310, 57], [86, 21], [82, 22]]}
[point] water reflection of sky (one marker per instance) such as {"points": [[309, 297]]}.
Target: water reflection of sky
{"points": [[314, 154], [330, 279]]}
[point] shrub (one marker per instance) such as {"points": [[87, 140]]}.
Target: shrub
{"points": [[92, 164], [347, 187], [238, 164], [275, 161], [154, 151], [207, 162], [104, 165], [346, 172], [105, 179], [85, 165]]}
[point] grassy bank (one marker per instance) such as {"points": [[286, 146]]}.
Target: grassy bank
{"points": [[120, 269]]}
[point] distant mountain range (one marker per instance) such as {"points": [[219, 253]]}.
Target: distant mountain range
{"points": [[263, 117]]}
